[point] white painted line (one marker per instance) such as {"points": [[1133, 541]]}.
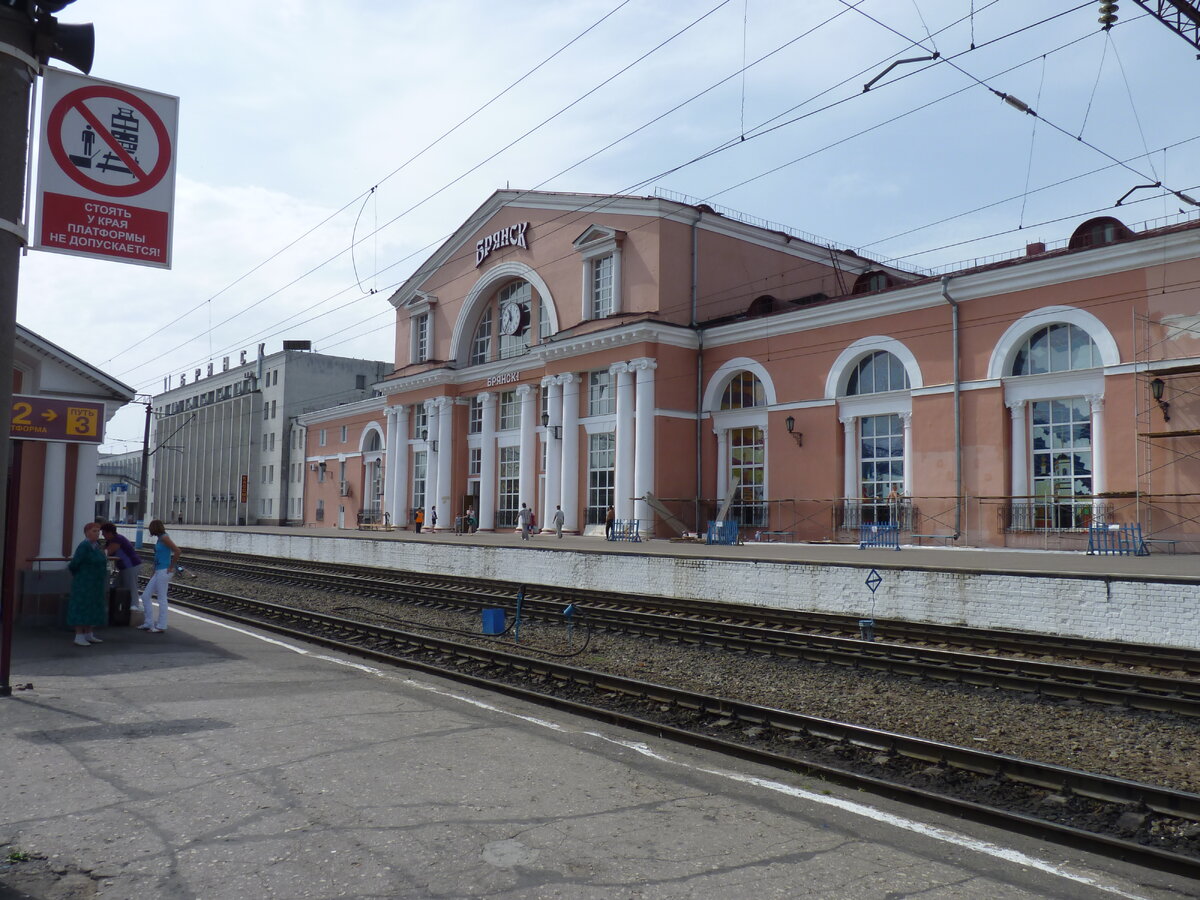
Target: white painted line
{"points": [[859, 809]]}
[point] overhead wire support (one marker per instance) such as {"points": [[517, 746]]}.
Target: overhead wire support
{"points": [[1181, 16], [935, 55]]}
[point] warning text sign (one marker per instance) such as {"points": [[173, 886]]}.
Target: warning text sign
{"points": [[106, 171]]}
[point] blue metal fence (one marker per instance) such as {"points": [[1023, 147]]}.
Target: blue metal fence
{"points": [[724, 532], [1117, 540], [879, 534], [626, 530]]}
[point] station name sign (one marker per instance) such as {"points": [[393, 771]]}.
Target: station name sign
{"points": [[513, 236], [506, 378]]}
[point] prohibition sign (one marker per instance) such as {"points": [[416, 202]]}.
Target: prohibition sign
{"points": [[143, 181]]}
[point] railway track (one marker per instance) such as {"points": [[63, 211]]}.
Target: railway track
{"points": [[1049, 802], [753, 630]]}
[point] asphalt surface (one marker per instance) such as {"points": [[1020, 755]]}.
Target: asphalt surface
{"points": [[216, 762]]}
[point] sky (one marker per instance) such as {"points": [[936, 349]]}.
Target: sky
{"points": [[326, 149]]}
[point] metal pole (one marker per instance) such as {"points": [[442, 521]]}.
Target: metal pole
{"points": [[144, 493], [16, 85]]}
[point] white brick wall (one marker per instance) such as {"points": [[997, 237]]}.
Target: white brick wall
{"points": [[1103, 607]]}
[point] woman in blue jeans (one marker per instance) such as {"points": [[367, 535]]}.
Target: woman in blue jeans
{"points": [[166, 558]]}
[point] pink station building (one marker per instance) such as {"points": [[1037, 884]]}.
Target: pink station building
{"points": [[684, 365]]}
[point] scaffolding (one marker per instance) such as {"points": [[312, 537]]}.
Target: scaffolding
{"points": [[1163, 445]]}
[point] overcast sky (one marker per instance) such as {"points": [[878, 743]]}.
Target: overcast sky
{"points": [[292, 111]]}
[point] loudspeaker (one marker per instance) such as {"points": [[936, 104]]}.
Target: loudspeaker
{"points": [[73, 44]]}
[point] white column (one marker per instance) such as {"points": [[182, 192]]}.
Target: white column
{"points": [[400, 476], [528, 470], [447, 508], [850, 466], [722, 464], [389, 462], [553, 451], [87, 460], [54, 496], [1099, 470], [569, 491], [487, 463], [1019, 453], [625, 440], [432, 414], [906, 420], [643, 465]]}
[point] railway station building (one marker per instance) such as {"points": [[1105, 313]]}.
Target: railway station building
{"points": [[683, 364]]}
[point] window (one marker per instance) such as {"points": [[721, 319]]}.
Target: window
{"points": [[420, 467], [475, 416], [360, 382], [601, 294], [474, 462], [602, 467], [420, 346], [881, 460], [544, 323], [343, 434], [420, 420], [321, 438], [877, 373], [744, 391], [509, 485], [747, 470], [270, 474], [1061, 443], [602, 399], [1056, 348], [510, 411], [481, 343], [320, 510]]}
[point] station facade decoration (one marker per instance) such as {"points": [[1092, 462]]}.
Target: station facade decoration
{"points": [[683, 365]]}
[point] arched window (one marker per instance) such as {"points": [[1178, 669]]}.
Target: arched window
{"points": [[1056, 348], [1099, 231], [374, 442], [513, 305], [877, 373], [744, 391], [481, 342]]}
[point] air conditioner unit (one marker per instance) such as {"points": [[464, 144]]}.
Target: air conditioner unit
{"points": [[343, 488]]}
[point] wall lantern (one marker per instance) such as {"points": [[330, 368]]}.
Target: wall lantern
{"points": [[555, 430], [1157, 386], [790, 422]]}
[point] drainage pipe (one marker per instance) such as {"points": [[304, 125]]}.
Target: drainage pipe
{"points": [[699, 372], [957, 407]]}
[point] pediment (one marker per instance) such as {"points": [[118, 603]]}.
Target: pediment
{"points": [[595, 235]]}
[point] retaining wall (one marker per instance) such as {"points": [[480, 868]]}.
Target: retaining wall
{"points": [[1102, 607]]}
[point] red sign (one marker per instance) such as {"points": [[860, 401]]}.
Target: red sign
{"points": [[47, 419], [106, 173]]}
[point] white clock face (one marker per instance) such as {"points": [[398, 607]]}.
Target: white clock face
{"points": [[510, 319]]}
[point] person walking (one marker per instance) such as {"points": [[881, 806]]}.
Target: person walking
{"points": [[558, 520], [610, 518], [166, 558], [525, 517], [433, 518], [419, 519], [89, 569], [129, 563]]}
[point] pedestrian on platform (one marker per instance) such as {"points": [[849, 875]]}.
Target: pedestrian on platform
{"points": [[525, 518], [559, 519], [433, 518], [472, 520], [166, 558], [119, 547], [610, 519], [89, 567], [419, 519]]}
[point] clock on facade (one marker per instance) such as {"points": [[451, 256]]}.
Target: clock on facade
{"points": [[512, 318]]}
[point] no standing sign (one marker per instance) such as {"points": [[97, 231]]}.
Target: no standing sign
{"points": [[106, 170]]}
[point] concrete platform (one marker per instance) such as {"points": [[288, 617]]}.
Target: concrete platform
{"points": [[215, 762]]}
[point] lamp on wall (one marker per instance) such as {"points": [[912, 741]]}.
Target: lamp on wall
{"points": [[555, 430], [1157, 386], [790, 422]]}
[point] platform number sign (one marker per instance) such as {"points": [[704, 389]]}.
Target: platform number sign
{"points": [[62, 421], [106, 170]]}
